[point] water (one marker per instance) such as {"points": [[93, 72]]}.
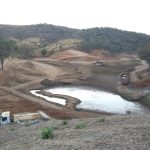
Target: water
{"points": [[93, 99]]}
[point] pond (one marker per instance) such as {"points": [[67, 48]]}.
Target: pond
{"points": [[96, 100]]}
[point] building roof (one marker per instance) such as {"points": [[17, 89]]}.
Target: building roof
{"points": [[5, 114]]}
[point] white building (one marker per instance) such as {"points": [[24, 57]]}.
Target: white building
{"points": [[5, 118]]}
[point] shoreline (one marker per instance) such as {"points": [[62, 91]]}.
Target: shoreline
{"points": [[72, 102]]}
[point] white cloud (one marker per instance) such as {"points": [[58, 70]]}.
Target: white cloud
{"points": [[130, 15]]}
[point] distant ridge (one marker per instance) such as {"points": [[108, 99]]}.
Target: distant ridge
{"points": [[111, 39]]}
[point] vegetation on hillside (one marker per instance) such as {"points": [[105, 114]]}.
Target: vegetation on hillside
{"points": [[144, 53], [43, 52], [46, 32], [114, 40], [25, 51], [55, 38], [6, 49]]}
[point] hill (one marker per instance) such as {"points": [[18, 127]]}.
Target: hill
{"points": [[46, 32], [114, 40], [51, 38]]}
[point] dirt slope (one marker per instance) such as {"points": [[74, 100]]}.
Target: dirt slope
{"points": [[76, 55]]}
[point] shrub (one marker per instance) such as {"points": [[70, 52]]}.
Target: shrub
{"points": [[43, 52], [81, 125], [47, 133], [65, 122]]}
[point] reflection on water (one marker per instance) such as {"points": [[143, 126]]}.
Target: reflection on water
{"points": [[93, 99]]}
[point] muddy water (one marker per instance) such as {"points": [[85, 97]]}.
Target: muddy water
{"points": [[96, 100], [93, 99]]}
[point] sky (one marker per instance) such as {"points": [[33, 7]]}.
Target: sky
{"points": [[130, 15]]}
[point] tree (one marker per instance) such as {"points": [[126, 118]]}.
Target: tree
{"points": [[6, 49], [43, 52], [144, 53]]}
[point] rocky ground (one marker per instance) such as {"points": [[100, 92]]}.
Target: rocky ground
{"points": [[118, 132]]}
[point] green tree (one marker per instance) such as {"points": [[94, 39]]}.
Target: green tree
{"points": [[6, 49], [43, 52]]}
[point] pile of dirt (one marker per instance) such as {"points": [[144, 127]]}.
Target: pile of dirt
{"points": [[76, 55], [68, 53]]}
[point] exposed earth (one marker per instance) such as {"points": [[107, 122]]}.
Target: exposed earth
{"points": [[75, 68], [20, 76]]}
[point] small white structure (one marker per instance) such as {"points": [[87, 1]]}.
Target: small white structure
{"points": [[5, 118], [26, 116]]}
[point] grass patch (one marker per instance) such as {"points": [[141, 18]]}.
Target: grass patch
{"points": [[81, 125], [47, 133]]}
